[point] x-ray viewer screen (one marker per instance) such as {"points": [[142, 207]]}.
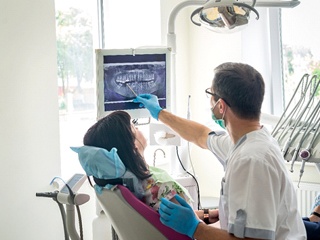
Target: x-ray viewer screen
{"points": [[127, 75]]}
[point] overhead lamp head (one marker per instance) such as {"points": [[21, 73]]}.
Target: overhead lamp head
{"points": [[224, 15]]}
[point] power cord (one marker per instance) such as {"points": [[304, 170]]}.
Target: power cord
{"points": [[198, 189]]}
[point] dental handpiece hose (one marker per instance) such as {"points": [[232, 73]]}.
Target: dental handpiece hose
{"points": [[301, 170], [54, 196], [70, 220], [188, 113]]}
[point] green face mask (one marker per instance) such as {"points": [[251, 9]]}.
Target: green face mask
{"points": [[220, 122]]}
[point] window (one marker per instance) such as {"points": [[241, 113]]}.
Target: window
{"points": [[300, 44], [76, 84], [79, 31]]}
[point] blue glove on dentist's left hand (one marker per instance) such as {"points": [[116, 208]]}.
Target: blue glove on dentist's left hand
{"points": [[150, 102], [179, 217]]}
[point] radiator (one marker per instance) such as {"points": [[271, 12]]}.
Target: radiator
{"points": [[306, 194]]}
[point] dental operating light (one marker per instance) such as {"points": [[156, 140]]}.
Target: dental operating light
{"points": [[228, 16]]}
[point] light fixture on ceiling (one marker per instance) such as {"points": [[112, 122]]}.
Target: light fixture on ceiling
{"points": [[246, 7], [232, 15]]}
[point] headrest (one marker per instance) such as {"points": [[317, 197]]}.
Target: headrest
{"points": [[99, 162], [102, 164]]}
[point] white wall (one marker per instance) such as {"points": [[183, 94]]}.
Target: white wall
{"points": [[199, 51], [209, 50], [29, 132]]}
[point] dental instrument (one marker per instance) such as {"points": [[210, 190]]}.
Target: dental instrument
{"points": [[68, 196], [307, 130], [298, 131], [301, 111], [305, 154], [131, 89], [281, 122], [297, 119]]}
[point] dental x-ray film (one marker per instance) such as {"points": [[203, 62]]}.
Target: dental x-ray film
{"points": [[122, 74]]}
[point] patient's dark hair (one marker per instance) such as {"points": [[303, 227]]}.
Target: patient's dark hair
{"points": [[115, 130]]}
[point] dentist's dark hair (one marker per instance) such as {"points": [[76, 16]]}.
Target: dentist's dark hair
{"points": [[115, 130], [241, 86]]}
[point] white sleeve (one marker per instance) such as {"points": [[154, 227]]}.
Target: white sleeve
{"points": [[219, 144]]}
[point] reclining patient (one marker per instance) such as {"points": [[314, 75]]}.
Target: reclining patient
{"points": [[114, 148]]}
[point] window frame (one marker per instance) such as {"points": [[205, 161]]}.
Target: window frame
{"points": [[262, 49]]}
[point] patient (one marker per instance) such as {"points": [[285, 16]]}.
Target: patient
{"points": [[312, 223], [116, 132]]}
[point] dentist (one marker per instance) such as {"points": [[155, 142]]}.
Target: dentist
{"points": [[257, 200]]}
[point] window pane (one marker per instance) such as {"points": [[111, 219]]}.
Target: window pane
{"points": [[76, 83], [300, 43]]}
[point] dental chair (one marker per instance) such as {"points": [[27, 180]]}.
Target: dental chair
{"points": [[132, 219]]}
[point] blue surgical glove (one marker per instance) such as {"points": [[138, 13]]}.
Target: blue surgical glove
{"points": [[179, 217], [150, 102]]}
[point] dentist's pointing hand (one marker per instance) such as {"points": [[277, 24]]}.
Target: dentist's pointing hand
{"points": [[150, 102], [179, 217]]}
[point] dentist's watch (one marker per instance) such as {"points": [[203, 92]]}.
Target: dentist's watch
{"points": [[206, 215]]}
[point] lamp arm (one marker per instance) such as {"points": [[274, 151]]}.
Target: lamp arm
{"points": [[171, 41], [177, 9]]}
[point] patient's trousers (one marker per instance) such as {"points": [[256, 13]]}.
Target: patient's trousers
{"points": [[312, 229]]}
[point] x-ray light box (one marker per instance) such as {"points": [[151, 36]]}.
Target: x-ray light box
{"points": [[124, 73]]}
